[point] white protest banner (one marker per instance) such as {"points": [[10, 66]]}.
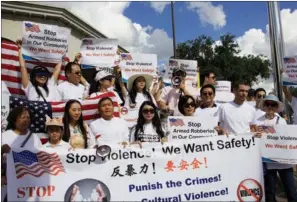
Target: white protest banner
{"points": [[204, 170], [138, 63], [190, 67], [130, 115], [290, 71], [279, 144], [100, 53], [223, 92], [47, 43], [4, 106], [190, 127]]}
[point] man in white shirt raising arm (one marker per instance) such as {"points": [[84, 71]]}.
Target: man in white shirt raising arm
{"points": [[236, 116]]}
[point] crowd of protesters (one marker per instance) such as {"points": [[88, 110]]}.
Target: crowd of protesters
{"points": [[246, 113]]}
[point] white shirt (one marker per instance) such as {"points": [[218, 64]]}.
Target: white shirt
{"points": [[53, 94], [69, 91], [75, 131], [118, 98], [15, 141], [211, 112], [262, 120], [149, 134], [110, 131], [294, 107], [61, 145], [259, 113], [236, 118], [139, 99], [4, 89], [170, 96], [252, 103]]}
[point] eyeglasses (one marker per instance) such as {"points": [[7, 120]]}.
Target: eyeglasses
{"points": [[77, 73], [212, 77], [270, 104], [146, 111], [207, 93], [260, 96], [191, 104]]}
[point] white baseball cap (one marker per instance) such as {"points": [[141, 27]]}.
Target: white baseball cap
{"points": [[102, 74]]}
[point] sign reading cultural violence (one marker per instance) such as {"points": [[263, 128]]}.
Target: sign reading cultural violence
{"points": [[204, 170], [290, 71], [279, 144], [191, 68], [190, 128], [47, 43], [100, 53]]}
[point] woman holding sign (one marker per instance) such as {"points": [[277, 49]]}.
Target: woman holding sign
{"points": [[148, 127], [138, 93], [271, 105], [39, 86]]}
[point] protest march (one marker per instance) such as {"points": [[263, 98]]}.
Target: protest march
{"points": [[131, 133]]}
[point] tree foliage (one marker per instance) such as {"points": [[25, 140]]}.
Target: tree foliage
{"points": [[224, 59]]}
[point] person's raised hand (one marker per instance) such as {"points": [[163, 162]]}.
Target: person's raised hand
{"points": [[5, 148], [19, 43]]}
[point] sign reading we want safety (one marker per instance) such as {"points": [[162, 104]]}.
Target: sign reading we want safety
{"points": [[206, 170]]}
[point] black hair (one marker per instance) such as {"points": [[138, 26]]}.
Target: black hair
{"points": [[251, 92], [155, 121], [95, 86], [14, 114], [260, 89], [33, 73], [238, 83], [182, 101], [208, 86], [103, 99], [204, 74], [133, 92], [49, 137], [68, 67], [66, 120]]}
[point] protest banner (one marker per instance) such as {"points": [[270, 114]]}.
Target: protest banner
{"points": [[279, 144], [204, 170], [130, 115], [4, 110], [190, 67], [47, 43], [223, 92], [101, 53], [290, 71], [190, 127]]}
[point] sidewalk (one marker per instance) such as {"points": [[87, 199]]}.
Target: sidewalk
{"points": [[280, 194]]}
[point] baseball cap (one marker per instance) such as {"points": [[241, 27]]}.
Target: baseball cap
{"points": [[102, 74]]}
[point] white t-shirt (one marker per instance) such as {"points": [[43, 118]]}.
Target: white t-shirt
{"points": [[170, 96], [258, 113], [140, 98], [236, 118], [294, 107], [61, 145], [149, 134], [110, 131], [119, 100], [208, 112], [53, 94], [15, 141], [76, 132], [252, 103], [262, 120], [69, 91]]}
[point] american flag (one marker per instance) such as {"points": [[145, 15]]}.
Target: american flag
{"points": [[32, 27], [36, 164], [289, 60], [269, 129], [56, 109], [11, 74], [126, 56], [176, 122]]}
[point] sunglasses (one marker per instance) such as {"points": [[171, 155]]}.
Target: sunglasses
{"points": [[260, 96], [187, 105], [270, 104], [146, 111], [42, 74], [207, 93], [212, 77], [77, 73]]}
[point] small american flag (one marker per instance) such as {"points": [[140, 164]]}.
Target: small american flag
{"points": [[29, 163], [32, 27], [126, 56], [176, 122], [289, 60], [269, 129]]}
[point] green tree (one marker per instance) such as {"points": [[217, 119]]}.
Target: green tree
{"points": [[223, 58]]}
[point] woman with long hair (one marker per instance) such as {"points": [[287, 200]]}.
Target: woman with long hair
{"points": [[148, 127], [76, 132], [138, 86], [187, 105], [39, 86], [272, 106]]}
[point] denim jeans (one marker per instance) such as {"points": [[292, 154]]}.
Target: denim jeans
{"points": [[287, 178]]}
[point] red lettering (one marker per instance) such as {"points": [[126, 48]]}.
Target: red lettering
{"points": [[30, 191], [21, 192], [50, 190], [43, 191]]}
